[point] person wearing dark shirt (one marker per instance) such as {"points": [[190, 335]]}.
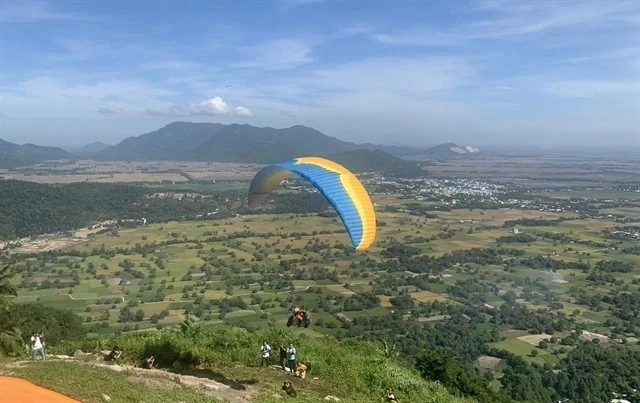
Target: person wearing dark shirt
{"points": [[147, 362]]}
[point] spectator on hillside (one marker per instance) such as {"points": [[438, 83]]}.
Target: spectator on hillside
{"points": [[288, 388], [301, 371], [38, 345], [283, 357], [265, 349], [115, 353], [291, 357], [147, 362], [390, 396]]}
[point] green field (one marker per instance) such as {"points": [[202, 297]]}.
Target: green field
{"points": [[249, 271]]}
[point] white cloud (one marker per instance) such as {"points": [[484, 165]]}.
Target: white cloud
{"points": [[278, 54], [170, 65], [242, 111], [215, 106], [591, 88], [47, 96], [518, 18], [210, 107], [32, 11], [110, 111]]}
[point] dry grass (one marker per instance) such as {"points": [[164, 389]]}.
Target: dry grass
{"points": [[487, 362], [128, 172], [428, 296], [534, 339]]}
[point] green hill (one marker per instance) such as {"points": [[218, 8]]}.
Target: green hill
{"points": [[15, 155], [451, 150], [353, 371], [189, 141], [224, 143], [360, 161]]}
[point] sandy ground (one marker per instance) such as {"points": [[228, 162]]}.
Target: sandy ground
{"points": [[591, 336]]}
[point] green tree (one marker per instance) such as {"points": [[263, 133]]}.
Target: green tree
{"points": [[56, 324], [10, 337], [5, 287]]}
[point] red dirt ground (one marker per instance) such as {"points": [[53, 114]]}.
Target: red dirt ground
{"points": [[16, 390]]}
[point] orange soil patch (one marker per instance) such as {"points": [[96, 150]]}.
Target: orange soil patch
{"points": [[16, 390]]}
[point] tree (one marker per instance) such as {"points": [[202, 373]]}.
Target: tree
{"points": [[10, 337], [5, 287], [56, 324], [534, 353]]}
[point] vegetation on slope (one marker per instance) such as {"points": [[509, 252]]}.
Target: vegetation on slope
{"points": [[359, 161], [352, 370], [15, 155], [88, 384], [28, 208]]}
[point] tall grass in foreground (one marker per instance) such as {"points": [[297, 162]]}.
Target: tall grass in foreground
{"points": [[353, 367]]}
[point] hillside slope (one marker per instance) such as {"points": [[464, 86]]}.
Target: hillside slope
{"points": [[175, 141], [224, 143], [94, 147], [360, 161], [354, 371], [451, 150], [15, 155]]}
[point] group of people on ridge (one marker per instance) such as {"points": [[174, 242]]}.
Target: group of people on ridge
{"points": [[287, 359]]}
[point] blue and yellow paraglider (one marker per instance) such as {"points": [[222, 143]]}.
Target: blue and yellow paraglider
{"points": [[340, 187]]}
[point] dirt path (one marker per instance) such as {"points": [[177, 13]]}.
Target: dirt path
{"points": [[231, 392]]}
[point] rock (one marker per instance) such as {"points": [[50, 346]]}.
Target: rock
{"points": [[106, 398], [333, 398], [276, 396], [78, 353]]}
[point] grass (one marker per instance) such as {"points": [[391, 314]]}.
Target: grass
{"points": [[222, 269], [593, 194], [353, 370], [88, 384]]}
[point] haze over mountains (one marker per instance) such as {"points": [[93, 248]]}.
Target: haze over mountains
{"points": [[186, 141]]}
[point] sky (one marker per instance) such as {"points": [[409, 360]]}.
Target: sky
{"points": [[401, 72]]}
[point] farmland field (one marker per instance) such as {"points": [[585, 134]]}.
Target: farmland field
{"points": [[483, 271], [252, 269]]}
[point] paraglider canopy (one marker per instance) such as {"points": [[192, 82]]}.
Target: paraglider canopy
{"points": [[340, 187]]}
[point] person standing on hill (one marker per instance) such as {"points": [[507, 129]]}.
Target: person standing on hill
{"points": [[291, 357], [265, 349], [38, 345], [283, 357]]}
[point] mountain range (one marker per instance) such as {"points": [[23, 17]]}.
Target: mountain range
{"points": [[187, 141], [15, 155]]}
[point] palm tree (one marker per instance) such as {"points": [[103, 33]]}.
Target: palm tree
{"points": [[5, 287], [10, 339]]}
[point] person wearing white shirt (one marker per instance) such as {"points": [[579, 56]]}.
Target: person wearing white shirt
{"points": [[38, 345], [265, 349]]}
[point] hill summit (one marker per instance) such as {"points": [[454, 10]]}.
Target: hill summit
{"points": [[451, 150], [225, 143], [360, 161]]}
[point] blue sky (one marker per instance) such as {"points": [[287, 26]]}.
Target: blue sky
{"points": [[393, 72]]}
